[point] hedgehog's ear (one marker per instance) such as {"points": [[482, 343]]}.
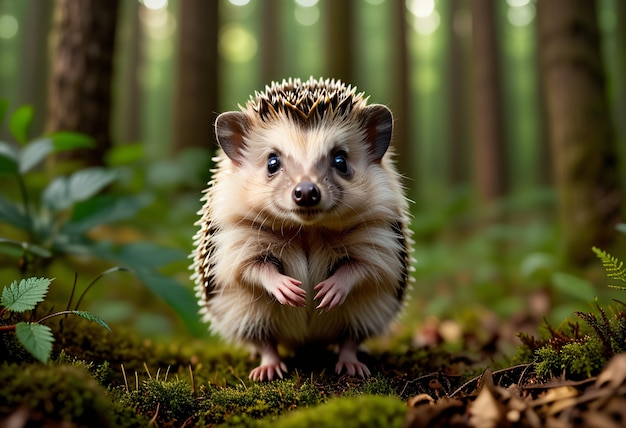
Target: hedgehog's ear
{"points": [[230, 128], [378, 126]]}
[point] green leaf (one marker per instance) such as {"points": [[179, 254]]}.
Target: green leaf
{"points": [[4, 106], [36, 339], [12, 214], [104, 209], [34, 153], [124, 154], [24, 295], [85, 183], [64, 141], [93, 318], [62, 192], [573, 286], [621, 227], [20, 122], [8, 158], [149, 255]]}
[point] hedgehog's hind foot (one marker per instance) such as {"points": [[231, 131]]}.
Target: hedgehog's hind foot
{"points": [[271, 364], [348, 360]]}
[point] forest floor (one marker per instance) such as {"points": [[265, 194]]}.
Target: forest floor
{"points": [[115, 379]]}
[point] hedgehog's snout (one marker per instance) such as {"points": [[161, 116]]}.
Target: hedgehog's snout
{"points": [[306, 194]]}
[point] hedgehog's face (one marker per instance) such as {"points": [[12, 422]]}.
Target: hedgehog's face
{"points": [[299, 174]]}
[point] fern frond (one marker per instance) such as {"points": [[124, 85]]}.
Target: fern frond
{"points": [[613, 267]]}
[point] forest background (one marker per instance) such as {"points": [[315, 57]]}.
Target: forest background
{"points": [[509, 129]]}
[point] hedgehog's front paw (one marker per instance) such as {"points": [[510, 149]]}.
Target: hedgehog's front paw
{"points": [[287, 290], [267, 371], [333, 291]]}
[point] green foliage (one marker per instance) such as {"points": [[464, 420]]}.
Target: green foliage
{"points": [[57, 218], [35, 337], [24, 295], [613, 266]]}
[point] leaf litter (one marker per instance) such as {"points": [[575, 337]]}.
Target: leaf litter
{"points": [[514, 397]]}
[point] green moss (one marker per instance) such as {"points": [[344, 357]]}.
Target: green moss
{"points": [[583, 359], [170, 401], [257, 400], [54, 395], [347, 412], [548, 362]]}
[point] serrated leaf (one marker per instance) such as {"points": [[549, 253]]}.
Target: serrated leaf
{"points": [[8, 158], [93, 318], [20, 122], [36, 339], [24, 295], [64, 140], [34, 153]]}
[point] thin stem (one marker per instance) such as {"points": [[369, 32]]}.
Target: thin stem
{"points": [[7, 328], [56, 314]]}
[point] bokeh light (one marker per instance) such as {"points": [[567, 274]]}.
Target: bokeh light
{"points": [[8, 27]]}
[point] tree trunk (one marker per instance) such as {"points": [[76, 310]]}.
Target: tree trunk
{"points": [[339, 30], [402, 108], [34, 62], [489, 154], [196, 96], [581, 135], [271, 42], [457, 94], [80, 83], [128, 107]]}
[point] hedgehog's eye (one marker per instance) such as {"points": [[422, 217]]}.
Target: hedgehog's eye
{"points": [[273, 164], [340, 163]]}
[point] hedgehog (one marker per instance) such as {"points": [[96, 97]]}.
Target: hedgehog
{"points": [[304, 231]]}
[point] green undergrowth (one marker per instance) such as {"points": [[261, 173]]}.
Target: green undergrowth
{"points": [[581, 347], [129, 381]]}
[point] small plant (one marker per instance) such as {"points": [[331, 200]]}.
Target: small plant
{"points": [[57, 215], [613, 267], [34, 336]]}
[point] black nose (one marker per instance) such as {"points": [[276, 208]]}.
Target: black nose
{"points": [[306, 194]]}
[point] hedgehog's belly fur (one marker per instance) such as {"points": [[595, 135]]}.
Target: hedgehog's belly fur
{"points": [[246, 314], [242, 316]]}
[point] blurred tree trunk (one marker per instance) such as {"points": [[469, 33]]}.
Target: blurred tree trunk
{"points": [[489, 153], [271, 42], [80, 84], [339, 48], [34, 62], [401, 105], [545, 177], [581, 134], [128, 107], [620, 95], [196, 93], [457, 93]]}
